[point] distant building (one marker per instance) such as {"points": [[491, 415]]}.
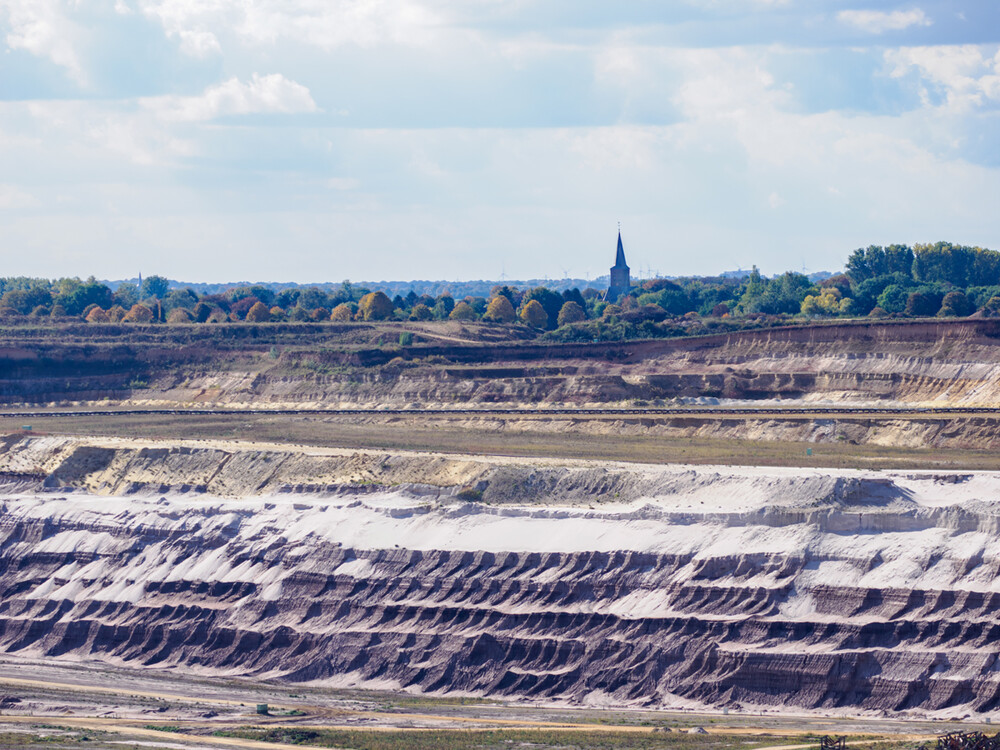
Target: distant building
{"points": [[621, 281]]}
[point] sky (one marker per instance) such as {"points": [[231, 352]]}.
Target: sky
{"points": [[321, 140]]}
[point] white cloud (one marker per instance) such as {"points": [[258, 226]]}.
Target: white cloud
{"points": [[326, 24], [343, 183], [775, 201], [13, 198], [199, 43], [261, 94], [968, 74], [878, 22], [41, 28]]}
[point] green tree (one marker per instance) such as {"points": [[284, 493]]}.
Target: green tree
{"points": [[893, 298], [570, 313], [420, 311], [550, 301], [180, 298], [954, 305], [201, 312], [126, 295], [443, 307], [155, 286], [922, 303], [753, 293], [84, 295], [462, 311], [874, 261]]}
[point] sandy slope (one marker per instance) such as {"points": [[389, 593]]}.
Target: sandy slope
{"points": [[839, 590]]}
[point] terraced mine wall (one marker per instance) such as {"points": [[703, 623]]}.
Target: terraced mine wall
{"points": [[338, 365], [665, 586]]}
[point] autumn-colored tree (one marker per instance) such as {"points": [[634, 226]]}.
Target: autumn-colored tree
{"points": [[375, 306], [319, 314], [116, 313], [277, 313], [138, 314], [420, 312], [179, 316], [98, 315], [571, 312], [462, 311], [258, 313], [534, 315], [342, 313], [500, 310], [241, 307]]}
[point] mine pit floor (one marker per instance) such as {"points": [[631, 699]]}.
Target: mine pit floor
{"points": [[69, 705]]}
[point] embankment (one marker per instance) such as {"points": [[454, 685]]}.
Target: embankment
{"points": [[361, 365], [801, 589]]}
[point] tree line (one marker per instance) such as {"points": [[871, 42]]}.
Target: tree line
{"points": [[942, 279]]}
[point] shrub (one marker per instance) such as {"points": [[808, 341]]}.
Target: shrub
{"points": [[258, 313], [180, 316], [116, 313], [201, 312], [138, 314], [342, 313], [98, 315], [720, 309]]}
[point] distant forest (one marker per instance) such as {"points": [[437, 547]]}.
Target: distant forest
{"points": [[943, 280]]}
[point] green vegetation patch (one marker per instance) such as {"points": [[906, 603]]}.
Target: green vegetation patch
{"points": [[504, 739]]}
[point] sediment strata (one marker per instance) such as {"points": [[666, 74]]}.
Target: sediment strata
{"points": [[710, 586], [954, 361]]}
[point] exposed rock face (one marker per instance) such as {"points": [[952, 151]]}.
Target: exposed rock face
{"points": [[810, 589], [354, 365]]}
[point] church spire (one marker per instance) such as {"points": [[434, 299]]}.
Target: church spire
{"points": [[621, 281], [620, 257]]}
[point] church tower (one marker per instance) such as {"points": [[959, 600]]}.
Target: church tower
{"points": [[621, 282]]}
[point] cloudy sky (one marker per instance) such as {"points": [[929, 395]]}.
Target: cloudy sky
{"points": [[318, 140]]}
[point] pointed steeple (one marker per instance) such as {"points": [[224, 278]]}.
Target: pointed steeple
{"points": [[621, 280], [620, 257]]}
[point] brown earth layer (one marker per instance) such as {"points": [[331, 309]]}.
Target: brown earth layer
{"points": [[940, 361]]}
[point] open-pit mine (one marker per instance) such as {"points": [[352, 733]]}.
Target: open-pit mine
{"points": [[547, 573]]}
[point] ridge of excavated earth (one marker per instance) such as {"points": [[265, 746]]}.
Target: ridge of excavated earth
{"points": [[907, 362], [556, 580]]}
